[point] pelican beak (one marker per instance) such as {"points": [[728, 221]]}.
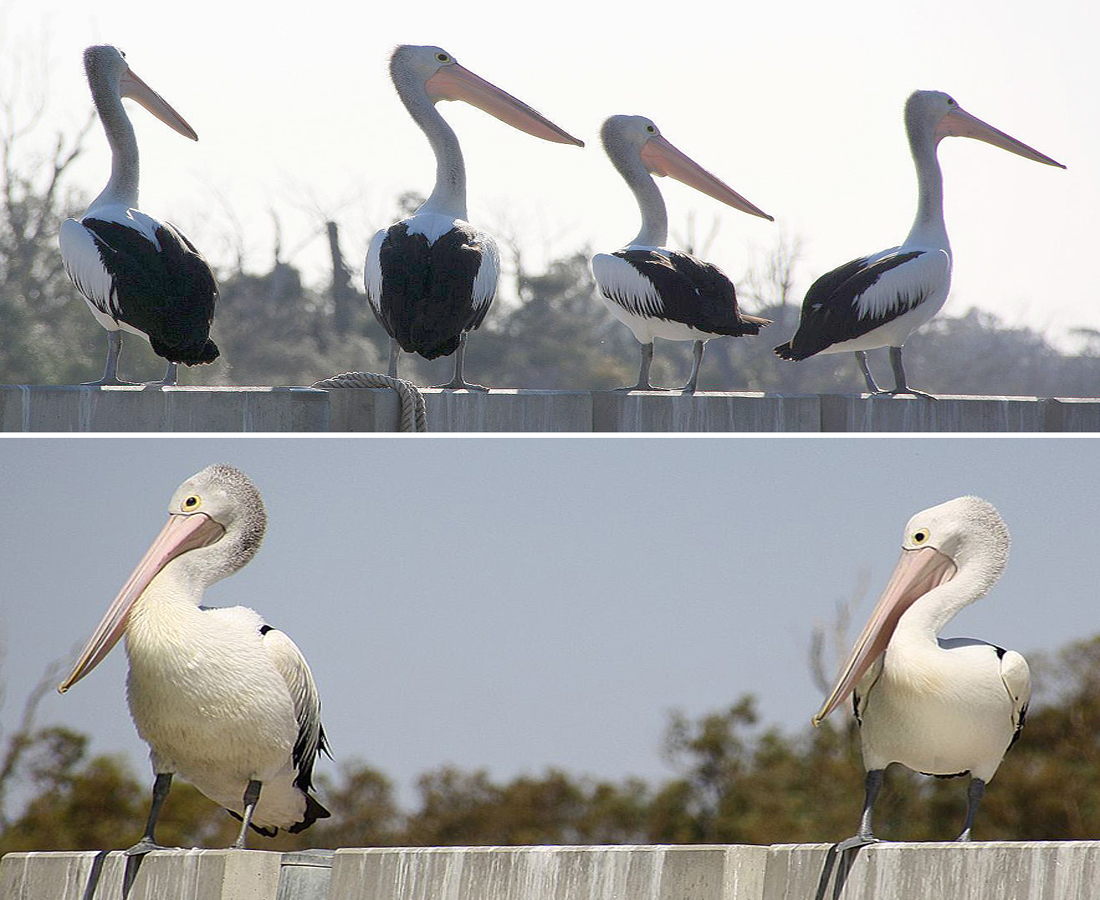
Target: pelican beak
{"points": [[917, 572], [180, 534], [454, 82], [661, 158], [133, 87], [959, 123]]}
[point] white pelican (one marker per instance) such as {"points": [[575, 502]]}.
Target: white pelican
{"points": [[430, 278], [137, 273], [879, 300], [222, 698], [944, 707], [658, 292]]}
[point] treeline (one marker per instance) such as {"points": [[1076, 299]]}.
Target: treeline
{"points": [[547, 330], [736, 782]]}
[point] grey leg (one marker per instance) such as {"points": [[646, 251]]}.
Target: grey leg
{"points": [[110, 371], [866, 835], [900, 386], [872, 388], [160, 793], [973, 797], [643, 371], [693, 379], [458, 383], [171, 375], [395, 351], [251, 798]]}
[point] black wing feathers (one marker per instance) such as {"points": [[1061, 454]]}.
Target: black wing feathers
{"points": [[168, 293], [427, 289], [829, 313], [692, 291]]}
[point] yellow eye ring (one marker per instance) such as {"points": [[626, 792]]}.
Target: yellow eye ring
{"points": [[191, 503], [920, 536], [442, 57]]}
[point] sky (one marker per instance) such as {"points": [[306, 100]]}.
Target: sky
{"points": [[796, 105], [518, 603]]}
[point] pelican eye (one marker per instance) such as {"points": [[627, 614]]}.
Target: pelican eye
{"points": [[920, 536], [651, 129], [951, 101], [442, 57], [190, 504]]}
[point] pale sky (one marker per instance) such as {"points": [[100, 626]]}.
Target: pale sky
{"points": [[796, 105], [521, 603]]}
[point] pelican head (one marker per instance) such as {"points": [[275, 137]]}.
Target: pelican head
{"points": [[938, 114], [106, 66], [629, 140], [216, 521], [964, 537], [436, 73]]}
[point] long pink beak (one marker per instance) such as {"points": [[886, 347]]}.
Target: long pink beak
{"points": [[662, 158], [454, 82], [133, 87], [180, 534], [959, 123], [917, 572]]}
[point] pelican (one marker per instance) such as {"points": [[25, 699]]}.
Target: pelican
{"points": [[658, 292], [879, 300], [430, 278], [221, 697], [137, 273], [943, 707]]}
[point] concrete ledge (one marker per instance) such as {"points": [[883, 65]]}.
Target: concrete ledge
{"points": [[993, 870], [292, 409], [162, 409], [996, 870], [550, 873]]}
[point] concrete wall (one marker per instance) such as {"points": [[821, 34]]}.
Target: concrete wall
{"points": [[291, 409], [998, 870]]}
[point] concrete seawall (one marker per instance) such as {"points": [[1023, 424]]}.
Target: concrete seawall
{"points": [[999, 870], [29, 408]]}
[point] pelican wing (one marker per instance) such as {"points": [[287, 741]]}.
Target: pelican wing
{"points": [[290, 663], [689, 290], [863, 294], [1017, 678]]}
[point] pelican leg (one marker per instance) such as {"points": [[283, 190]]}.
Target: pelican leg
{"points": [[643, 372], [458, 383], [110, 371], [865, 835], [160, 793], [171, 376], [872, 387], [900, 386], [973, 797], [251, 798], [395, 351], [693, 379]]}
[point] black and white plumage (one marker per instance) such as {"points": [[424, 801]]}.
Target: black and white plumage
{"points": [[431, 278], [654, 291], [945, 707], [879, 300], [137, 273], [221, 697]]}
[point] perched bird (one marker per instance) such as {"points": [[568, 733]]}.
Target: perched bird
{"points": [[137, 273], [943, 707], [220, 697], [879, 300], [654, 291], [430, 278]]}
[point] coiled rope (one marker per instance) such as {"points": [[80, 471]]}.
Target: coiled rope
{"points": [[413, 416]]}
